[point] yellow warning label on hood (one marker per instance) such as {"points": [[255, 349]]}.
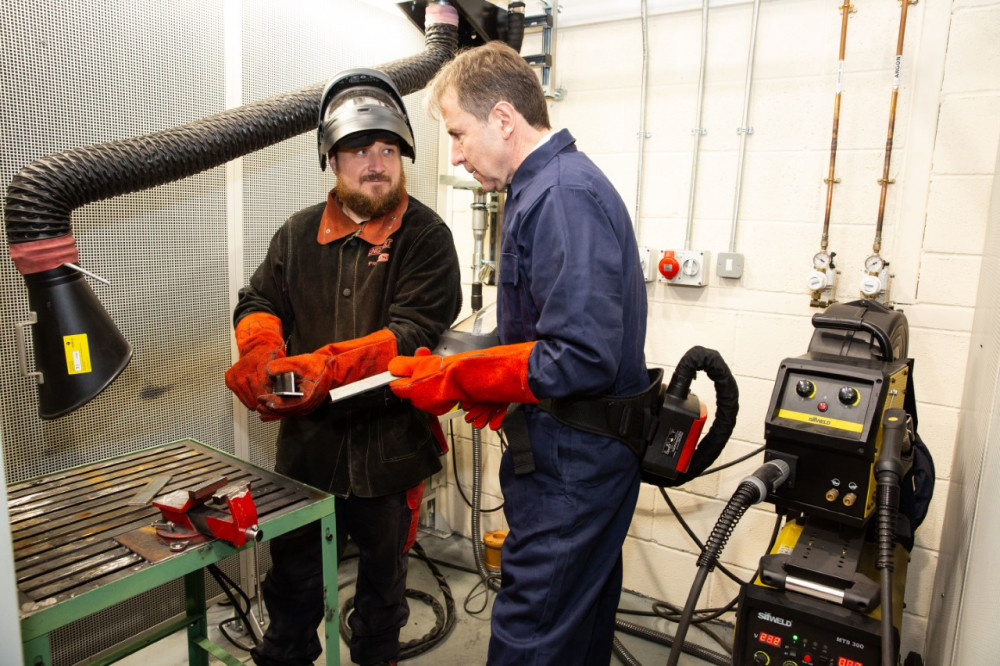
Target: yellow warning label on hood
{"points": [[77, 353]]}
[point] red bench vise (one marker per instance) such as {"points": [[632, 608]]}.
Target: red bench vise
{"points": [[217, 509]]}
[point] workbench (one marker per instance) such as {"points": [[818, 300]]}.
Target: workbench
{"points": [[68, 528]]}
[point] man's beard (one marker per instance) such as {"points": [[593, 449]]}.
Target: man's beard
{"points": [[369, 206]]}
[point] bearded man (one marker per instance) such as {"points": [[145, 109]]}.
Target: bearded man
{"points": [[347, 285]]}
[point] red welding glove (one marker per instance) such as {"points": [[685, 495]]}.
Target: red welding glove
{"points": [[334, 365], [496, 375], [482, 414], [259, 339]]}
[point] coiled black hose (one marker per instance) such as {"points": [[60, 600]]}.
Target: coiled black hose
{"points": [[727, 406], [444, 617], [43, 194]]}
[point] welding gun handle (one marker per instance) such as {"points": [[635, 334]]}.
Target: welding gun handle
{"points": [[896, 445]]}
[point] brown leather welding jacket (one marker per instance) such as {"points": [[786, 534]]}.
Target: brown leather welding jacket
{"points": [[399, 272]]}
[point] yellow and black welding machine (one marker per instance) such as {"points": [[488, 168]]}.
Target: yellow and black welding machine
{"points": [[843, 417]]}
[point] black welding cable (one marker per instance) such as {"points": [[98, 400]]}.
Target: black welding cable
{"points": [[227, 585], [894, 461], [694, 537], [702, 619], [751, 490], [623, 654], [733, 463], [705, 618], [445, 616], [663, 639]]}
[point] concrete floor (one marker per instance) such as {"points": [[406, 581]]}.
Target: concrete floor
{"points": [[466, 645]]}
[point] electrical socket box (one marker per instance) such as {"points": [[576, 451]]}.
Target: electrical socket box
{"points": [[684, 268], [730, 265], [648, 259]]}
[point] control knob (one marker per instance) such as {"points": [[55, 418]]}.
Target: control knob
{"points": [[805, 388], [849, 396]]}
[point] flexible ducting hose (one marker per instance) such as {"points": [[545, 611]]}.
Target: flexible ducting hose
{"points": [[43, 194], [727, 403], [515, 24]]}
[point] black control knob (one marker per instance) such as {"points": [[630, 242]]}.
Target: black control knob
{"points": [[849, 396], [805, 388], [761, 658]]}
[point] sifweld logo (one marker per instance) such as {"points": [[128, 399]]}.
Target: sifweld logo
{"points": [[767, 617]]}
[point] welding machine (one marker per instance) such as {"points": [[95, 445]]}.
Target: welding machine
{"points": [[842, 417]]}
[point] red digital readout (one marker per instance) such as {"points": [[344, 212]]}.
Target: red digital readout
{"points": [[844, 661], [771, 639]]}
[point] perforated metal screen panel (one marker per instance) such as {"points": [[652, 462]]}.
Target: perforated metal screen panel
{"points": [[100, 72], [95, 71]]}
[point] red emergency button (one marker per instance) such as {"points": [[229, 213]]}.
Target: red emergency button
{"points": [[807, 658], [669, 267], [822, 406]]}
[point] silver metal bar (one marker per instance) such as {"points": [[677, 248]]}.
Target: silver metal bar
{"points": [[355, 389], [148, 492], [86, 272], [816, 590]]}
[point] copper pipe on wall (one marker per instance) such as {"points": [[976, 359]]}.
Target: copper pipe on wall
{"points": [[831, 179], [885, 181]]}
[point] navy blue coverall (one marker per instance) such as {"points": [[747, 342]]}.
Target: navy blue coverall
{"points": [[570, 279]]}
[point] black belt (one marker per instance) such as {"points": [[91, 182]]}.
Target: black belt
{"points": [[630, 419]]}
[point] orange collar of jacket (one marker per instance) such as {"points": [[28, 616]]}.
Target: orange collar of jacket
{"points": [[335, 224]]}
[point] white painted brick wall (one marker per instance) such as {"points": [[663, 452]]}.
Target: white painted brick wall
{"points": [[756, 321]]}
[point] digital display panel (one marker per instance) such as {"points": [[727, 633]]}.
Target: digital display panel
{"points": [[771, 639], [844, 661]]}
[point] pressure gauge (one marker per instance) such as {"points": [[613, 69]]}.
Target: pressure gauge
{"points": [[691, 267], [822, 261], [874, 264]]}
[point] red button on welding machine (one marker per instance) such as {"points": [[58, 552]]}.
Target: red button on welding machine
{"points": [[807, 658], [822, 406]]}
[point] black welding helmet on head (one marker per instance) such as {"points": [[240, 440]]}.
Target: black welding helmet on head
{"points": [[359, 106]]}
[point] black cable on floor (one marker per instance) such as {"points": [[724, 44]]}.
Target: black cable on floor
{"points": [[663, 639], [700, 616], [445, 617], [227, 585]]}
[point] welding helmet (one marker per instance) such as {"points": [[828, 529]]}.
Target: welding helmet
{"points": [[358, 107]]}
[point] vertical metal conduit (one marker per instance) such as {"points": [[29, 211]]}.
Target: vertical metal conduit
{"points": [[698, 131], [744, 128], [644, 21]]}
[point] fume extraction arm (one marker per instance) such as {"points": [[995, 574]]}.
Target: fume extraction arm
{"points": [[78, 349]]}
